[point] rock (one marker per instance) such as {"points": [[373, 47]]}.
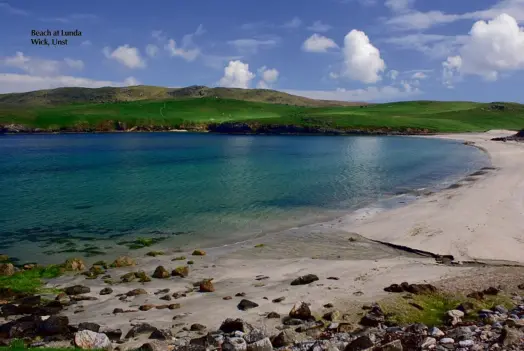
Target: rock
{"points": [[392, 346], [128, 277], [161, 273], [240, 294], [118, 310], [419, 289], [466, 343], [113, 334], [143, 277], [182, 271], [136, 292], [333, 316], [63, 298], [7, 269], [500, 309], [206, 286], [199, 253], [166, 298], [254, 336], [300, 310], [361, 343], [261, 345], [447, 341], [305, 279], [161, 334], [143, 328], [328, 305], [466, 307], [162, 291], [436, 332], [157, 345], [372, 320], [227, 298], [429, 342], [179, 258], [285, 338], [55, 325], [394, 288], [491, 291], [521, 286], [511, 337], [234, 344], [74, 264], [453, 317], [272, 315], [106, 291], [179, 294], [123, 261], [78, 298], [245, 305], [279, 299], [232, 325], [89, 326], [146, 307], [174, 306], [77, 290], [89, 340]]}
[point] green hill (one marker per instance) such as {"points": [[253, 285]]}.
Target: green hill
{"points": [[240, 111]]}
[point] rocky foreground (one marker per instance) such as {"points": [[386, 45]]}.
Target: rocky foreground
{"points": [[39, 321]]}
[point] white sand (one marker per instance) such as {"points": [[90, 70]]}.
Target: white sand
{"points": [[480, 220]]}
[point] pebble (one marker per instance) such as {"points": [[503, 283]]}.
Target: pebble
{"points": [[447, 341]]}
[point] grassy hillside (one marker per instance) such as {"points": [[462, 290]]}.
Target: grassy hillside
{"points": [[200, 113], [62, 96]]}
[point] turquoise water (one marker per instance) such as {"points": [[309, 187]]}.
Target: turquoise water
{"points": [[93, 193]]}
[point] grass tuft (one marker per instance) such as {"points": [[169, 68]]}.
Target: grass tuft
{"points": [[31, 281]]}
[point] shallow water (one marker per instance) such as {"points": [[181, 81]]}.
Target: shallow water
{"points": [[92, 194]]}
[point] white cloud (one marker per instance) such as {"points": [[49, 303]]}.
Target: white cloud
{"points": [[419, 75], [237, 75], [319, 27], [10, 83], [450, 70], [362, 61], [252, 45], [269, 76], [176, 51], [293, 23], [435, 46], [125, 55], [393, 74], [130, 81], [399, 5], [159, 35], [38, 66], [76, 64], [492, 47], [151, 50], [386, 93], [318, 43]]}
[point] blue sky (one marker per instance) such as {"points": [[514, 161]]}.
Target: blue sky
{"points": [[358, 50]]}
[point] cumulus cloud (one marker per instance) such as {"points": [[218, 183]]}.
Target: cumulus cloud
{"points": [[125, 55], [252, 45], [11, 83], [39, 66], [393, 74], [319, 27], [151, 50], [293, 23], [385, 93], [176, 51], [450, 70], [419, 75], [362, 61], [237, 75], [492, 47], [435, 46], [269, 76], [318, 43]]}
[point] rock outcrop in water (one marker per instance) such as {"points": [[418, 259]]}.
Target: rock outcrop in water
{"points": [[519, 136]]}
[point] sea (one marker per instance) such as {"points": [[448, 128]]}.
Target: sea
{"points": [[98, 195]]}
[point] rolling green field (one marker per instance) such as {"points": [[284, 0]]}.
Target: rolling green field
{"points": [[198, 113]]}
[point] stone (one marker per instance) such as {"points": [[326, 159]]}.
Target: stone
{"points": [[157, 345], [372, 320], [254, 336], [89, 340], [453, 317], [447, 341], [128, 277], [466, 343], [245, 305], [491, 291], [361, 343], [143, 328], [143, 277], [278, 299], [240, 294], [428, 342], [466, 307], [272, 315], [166, 298], [179, 258], [234, 344], [161, 334], [392, 346], [333, 316], [112, 334], [7, 269], [179, 295], [285, 338], [394, 288], [136, 292], [206, 286], [106, 291], [161, 273], [500, 309], [55, 325], [174, 306], [146, 307], [63, 298], [260, 345], [89, 326], [77, 290], [511, 337], [419, 289], [231, 325], [226, 298], [182, 271], [305, 279], [123, 261], [74, 264], [435, 332], [197, 327], [199, 253], [300, 310]]}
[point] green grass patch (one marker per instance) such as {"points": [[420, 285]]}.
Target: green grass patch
{"points": [[400, 311], [19, 345], [31, 281]]}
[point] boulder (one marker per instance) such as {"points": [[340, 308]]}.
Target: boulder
{"points": [[359, 344], [90, 340], [206, 286], [143, 328], [77, 290], [74, 264], [285, 338], [161, 273], [199, 253], [136, 292], [89, 326], [7, 269], [261, 345], [55, 325], [161, 334], [305, 279], [106, 291], [245, 305], [157, 345], [232, 325], [182, 271], [234, 344], [123, 261], [300, 310]]}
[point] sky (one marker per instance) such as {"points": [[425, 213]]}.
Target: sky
{"points": [[352, 50]]}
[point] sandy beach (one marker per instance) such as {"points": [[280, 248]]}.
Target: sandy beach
{"points": [[480, 219]]}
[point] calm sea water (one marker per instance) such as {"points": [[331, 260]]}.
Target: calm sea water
{"points": [[94, 193]]}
